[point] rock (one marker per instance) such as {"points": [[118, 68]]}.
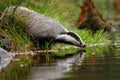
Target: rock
{"points": [[5, 58]]}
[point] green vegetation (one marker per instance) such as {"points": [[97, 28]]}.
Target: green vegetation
{"points": [[15, 31], [66, 51]]}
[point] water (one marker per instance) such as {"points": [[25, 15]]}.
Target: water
{"points": [[80, 67], [96, 68], [56, 70]]}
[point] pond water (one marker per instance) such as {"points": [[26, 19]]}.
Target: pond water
{"points": [[80, 67]]}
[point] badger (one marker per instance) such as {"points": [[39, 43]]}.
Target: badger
{"points": [[44, 29]]}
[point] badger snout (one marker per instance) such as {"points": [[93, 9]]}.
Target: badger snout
{"points": [[82, 45]]}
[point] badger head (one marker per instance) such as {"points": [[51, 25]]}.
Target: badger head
{"points": [[70, 38]]}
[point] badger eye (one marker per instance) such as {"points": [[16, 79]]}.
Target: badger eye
{"points": [[80, 43], [74, 35]]}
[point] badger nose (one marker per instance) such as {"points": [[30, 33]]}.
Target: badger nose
{"points": [[83, 45]]}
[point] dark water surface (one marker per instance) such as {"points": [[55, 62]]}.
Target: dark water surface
{"points": [[96, 68], [79, 67]]}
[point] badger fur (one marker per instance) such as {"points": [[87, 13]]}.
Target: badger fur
{"points": [[44, 29]]}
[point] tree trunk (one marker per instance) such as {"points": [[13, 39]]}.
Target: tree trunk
{"points": [[90, 17], [116, 5]]}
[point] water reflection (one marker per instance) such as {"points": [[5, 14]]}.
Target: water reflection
{"points": [[56, 70]]}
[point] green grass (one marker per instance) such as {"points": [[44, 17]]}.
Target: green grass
{"points": [[64, 52], [15, 30], [98, 51]]}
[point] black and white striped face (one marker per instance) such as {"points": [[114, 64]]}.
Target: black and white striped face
{"points": [[71, 38]]}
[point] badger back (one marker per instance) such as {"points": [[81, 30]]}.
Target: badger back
{"points": [[36, 24]]}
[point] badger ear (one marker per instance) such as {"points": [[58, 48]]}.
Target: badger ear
{"points": [[76, 36]]}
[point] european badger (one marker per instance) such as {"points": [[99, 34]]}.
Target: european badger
{"points": [[44, 29]]}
